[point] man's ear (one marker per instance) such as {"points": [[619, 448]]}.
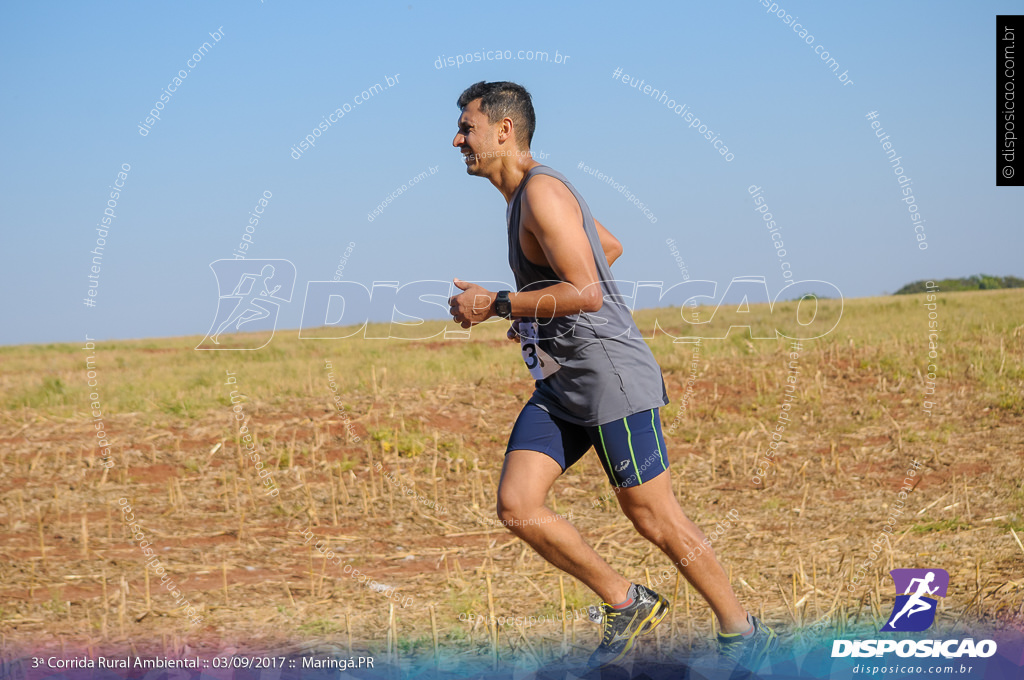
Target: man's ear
{"points": [[507, 126]]}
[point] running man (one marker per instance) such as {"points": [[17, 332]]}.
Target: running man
{"points": [[914, 603], [597, 384]]}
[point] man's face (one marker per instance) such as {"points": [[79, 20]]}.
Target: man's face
{"points": [[477, 138]]}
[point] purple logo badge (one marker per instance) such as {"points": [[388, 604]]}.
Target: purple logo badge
{"points": [[916, 593]]}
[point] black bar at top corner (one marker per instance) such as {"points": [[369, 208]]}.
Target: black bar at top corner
{"points": [[1009, 74]]}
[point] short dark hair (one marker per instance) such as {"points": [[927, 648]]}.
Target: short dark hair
{"points": [[504, 99]]}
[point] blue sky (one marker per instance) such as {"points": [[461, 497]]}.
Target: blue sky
{"points": [[81, 77]]}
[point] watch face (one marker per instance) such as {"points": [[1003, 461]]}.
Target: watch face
{"points": [[502, 305]]}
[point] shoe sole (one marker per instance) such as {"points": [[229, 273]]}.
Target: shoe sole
{"points": [[653, 619]]}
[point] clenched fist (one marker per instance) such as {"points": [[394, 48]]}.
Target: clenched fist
{"points": [[473, 305]]}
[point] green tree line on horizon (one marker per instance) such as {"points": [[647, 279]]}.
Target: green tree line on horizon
{"points": [[976, 282]]}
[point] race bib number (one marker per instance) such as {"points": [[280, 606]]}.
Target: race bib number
{"points": [[539, 362]]}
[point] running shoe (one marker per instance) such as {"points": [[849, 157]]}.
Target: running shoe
{"points": [[623, 626], [748, 653]]}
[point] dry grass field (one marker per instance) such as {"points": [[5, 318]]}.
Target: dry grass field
{"points": [[399, 483]]}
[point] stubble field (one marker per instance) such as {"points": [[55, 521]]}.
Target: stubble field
{"points": [[399, 484]]}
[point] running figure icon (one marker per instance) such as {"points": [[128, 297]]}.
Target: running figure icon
{"points": [[915, 603], [250, 307], [918, 592]]}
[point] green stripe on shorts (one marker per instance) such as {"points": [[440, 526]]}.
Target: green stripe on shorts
{"points": [[604, 449], [654, 429], [629, 440]]}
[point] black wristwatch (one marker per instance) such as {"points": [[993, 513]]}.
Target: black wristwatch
{"points": [[502, 305]]}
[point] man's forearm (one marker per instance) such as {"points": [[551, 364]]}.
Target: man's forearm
{"points": [[560, 299]]}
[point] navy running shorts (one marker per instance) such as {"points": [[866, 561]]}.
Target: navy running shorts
{"points": [[631, 449]]}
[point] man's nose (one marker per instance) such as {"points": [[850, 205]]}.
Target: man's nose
{"points": [[459, 140]]}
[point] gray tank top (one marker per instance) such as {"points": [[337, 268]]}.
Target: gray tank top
{"points": [[607, 370]]}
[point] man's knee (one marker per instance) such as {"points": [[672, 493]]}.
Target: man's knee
{"points": [[511, 507], [650, 526]]}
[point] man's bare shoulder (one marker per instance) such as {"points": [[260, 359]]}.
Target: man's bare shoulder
{"points": [[544, 194]]}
